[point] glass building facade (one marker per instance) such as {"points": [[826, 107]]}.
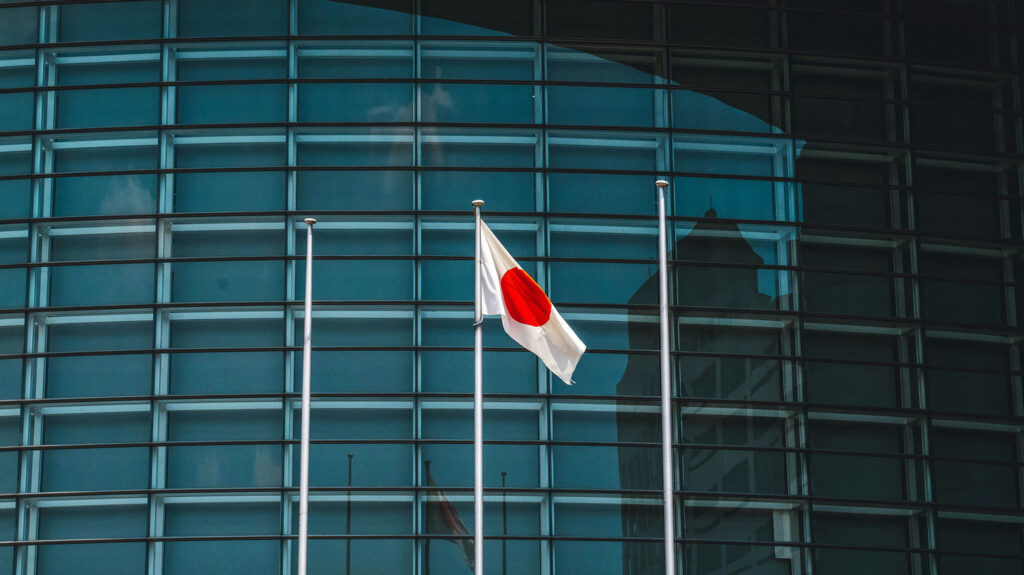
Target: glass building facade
{"points": [[845, 233]]}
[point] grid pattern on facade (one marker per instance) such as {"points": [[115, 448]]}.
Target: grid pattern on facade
{"points": [[845, 232]]}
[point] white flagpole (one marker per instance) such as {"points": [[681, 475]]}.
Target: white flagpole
{"points": [[478, 407], [307, 338], [666, 386]]}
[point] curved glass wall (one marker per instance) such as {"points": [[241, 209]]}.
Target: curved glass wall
{"points": [[845, 240]]}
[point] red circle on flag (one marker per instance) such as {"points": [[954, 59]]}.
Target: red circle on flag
{"points": [[524, 299]]}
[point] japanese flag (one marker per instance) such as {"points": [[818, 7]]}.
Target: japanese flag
{"points": [[526, 312]]}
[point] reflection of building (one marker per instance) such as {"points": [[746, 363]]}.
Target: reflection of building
{"points": [[716, 287]]}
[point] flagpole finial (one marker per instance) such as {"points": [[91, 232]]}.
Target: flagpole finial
{"points": [[478, 203], [310, 221], [661, 183]]}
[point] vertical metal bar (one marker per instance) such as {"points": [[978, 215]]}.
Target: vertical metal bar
{"points": [[478, 407], [666, 386], [348, 520], [307, 325]]}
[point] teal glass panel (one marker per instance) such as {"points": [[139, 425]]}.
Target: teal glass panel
{"points": [[227, 372], [99, 375], [12, 341], [110, 21], [16, 107], [725, 25], [729, 197], [362, 555], [626, 467], [103, 107], [599, 19], [385, 464], [850, 383], [716, 286], [8, 530], [843, 292], [729, 377], [378, 371], [600, 193], [979, 537], [10, 436], [512, 371], [107, 284], [454, 466], [360, 279], [224, 466], [947, 213], [455, 190], [13, 281], [733, 471], [860, 531], [357, 189], [237, 556], [952, 301], [230, 191], [477, 103], [594, 556], [600, 106], [974, 484], [452, 280], [620, 282], [106, 195], [358, 101], [964, 391], [89, 523], [246, 280], [844, 202], [232, 103], [97, 469], [856, 476], [19, 25], [220, 18], [471, 18], [15, 195], [329, 18]]}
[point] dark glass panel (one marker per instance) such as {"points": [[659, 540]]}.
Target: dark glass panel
{"points": [[844, 291], [967, 392], [837, 199], [817, 109], [866, 531], [226, 18], [941, 211], [974, 484], [952, 115], [720, 25], [978, 537], [729, 377], [599, 19], [814, 31], [951, 301], [729, 470], [856, 476], [330, 17], [472, 18], [848, 383]]}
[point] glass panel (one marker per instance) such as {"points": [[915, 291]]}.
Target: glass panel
{"points": [[232, 103], [477, 103], [19, 25], [13, 281], [88, 523], [731, 26], [106, 194], [951, 301], [252, 557], [227, 372], [849, 383], [601, 193], [604, 19], [843, 202], [974, 484], [514, 371], [224, 466], [226, 18], [82, 108], [372, 464], [16, 107], [710, 109], [975, 126], [964, 209], [979, 537], [107, 284], [837, 33], [367, 371], [454, 190], [15, 195], [964, 391], [729, 377], [98, 469], [605, 106], [246, 280], [865, 531], [230, 191], [10, 436], [348, 189], [110, 21], [365, 518], [363, 101], [99, 375], [729, 470], [329, 18], [12, 341], [733, 524], [845, 476], [816, 111], [847, 293], [472, 18]]}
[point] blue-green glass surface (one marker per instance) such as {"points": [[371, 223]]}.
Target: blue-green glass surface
{"points": [[209, 191], [217, 372], [96, 469]]}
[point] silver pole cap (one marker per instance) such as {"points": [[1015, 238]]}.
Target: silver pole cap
{"points": [[478, 203], [310, 221], [661, 183]]}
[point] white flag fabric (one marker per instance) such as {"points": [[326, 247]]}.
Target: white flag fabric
{"points": [[526, 312]]}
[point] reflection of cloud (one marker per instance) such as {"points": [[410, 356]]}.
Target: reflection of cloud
{"points": [[127, 195]]}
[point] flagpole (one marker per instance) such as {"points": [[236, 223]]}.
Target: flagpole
{"points": [[307, 338], [666, 386], [478, 407]]}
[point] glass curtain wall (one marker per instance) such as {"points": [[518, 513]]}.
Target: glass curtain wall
{"points": [[845, 333]]}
